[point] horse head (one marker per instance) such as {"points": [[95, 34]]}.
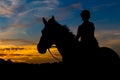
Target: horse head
{"points": [[48, 35]]}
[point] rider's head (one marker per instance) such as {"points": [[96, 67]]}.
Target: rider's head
{"points": [[85, 14]]}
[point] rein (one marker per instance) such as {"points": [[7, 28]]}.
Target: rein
{"points": [[53, 55]]}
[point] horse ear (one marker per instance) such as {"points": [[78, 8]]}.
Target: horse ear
{"points": [[44, 21]]}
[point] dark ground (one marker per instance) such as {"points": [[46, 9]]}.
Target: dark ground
{"points": [[53, 71]]}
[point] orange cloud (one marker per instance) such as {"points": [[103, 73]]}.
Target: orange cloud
{"points": [[29, 54]]}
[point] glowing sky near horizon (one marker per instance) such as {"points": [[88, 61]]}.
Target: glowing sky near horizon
{"points": [[21, 24]]}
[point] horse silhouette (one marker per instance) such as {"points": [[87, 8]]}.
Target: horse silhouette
{"points": [[70, 49]]}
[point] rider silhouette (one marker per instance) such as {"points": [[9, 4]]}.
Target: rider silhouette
{"points": [[86, 32]]}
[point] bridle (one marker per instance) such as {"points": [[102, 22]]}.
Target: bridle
{"points": [[53, 56]]}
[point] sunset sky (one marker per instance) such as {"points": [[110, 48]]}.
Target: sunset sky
{"points": [[21, 24]]}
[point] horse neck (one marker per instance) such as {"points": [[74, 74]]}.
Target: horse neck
{"points": [[66, 43]]}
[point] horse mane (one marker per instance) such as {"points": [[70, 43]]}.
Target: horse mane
{"points": [[63, 29]]}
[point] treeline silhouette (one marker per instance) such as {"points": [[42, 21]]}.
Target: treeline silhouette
{"points": [[56, 68], [9, 65]]}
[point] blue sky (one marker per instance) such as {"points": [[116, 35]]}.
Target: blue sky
{"points": [[21, 19]]}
